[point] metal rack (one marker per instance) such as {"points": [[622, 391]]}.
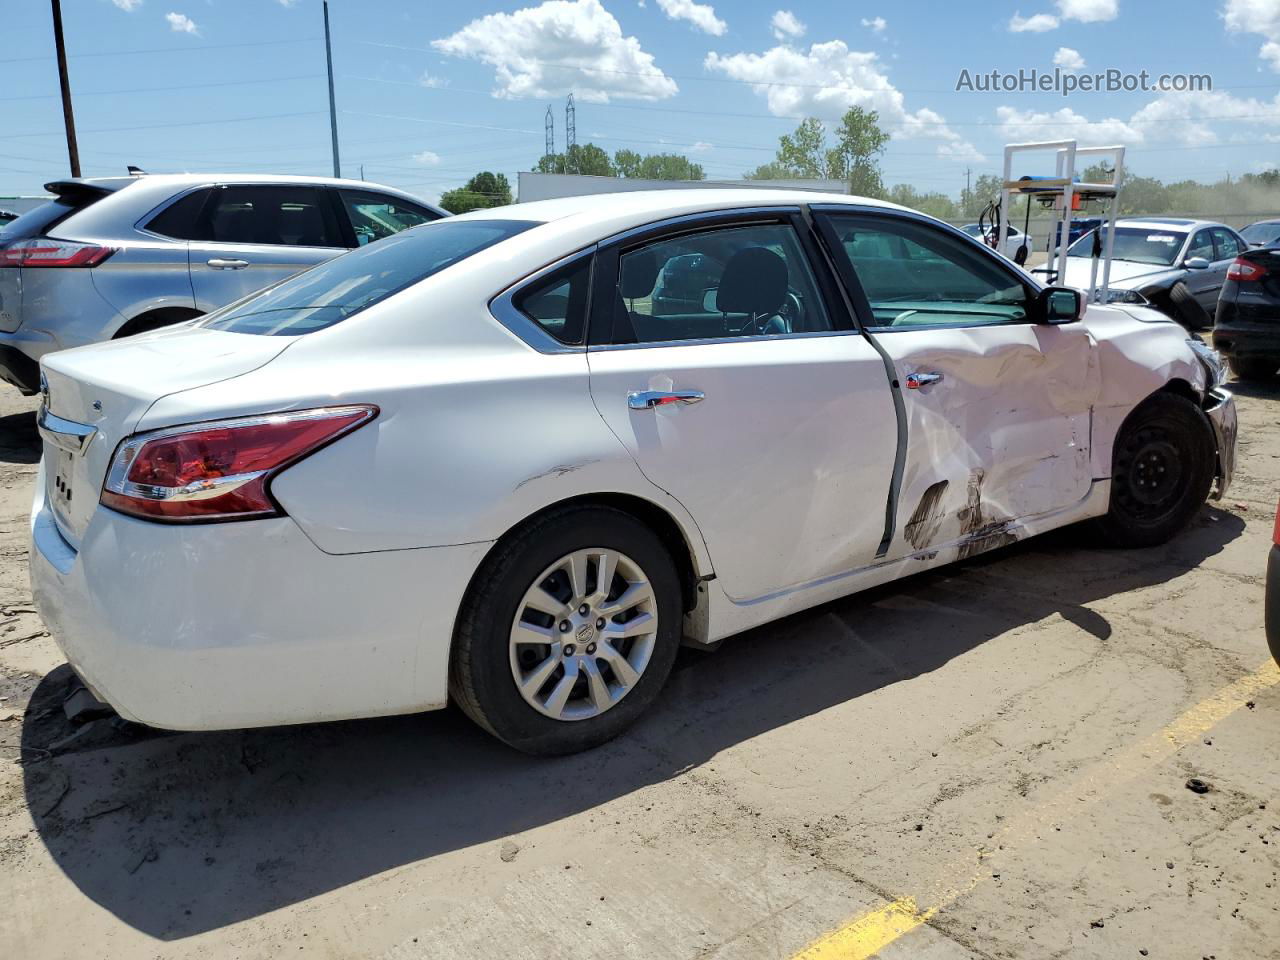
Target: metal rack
{"points": [[1064, 187]]}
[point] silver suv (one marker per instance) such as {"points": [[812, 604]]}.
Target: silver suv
{"points": [[113, 257]]}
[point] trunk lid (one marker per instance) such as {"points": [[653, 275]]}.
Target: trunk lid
{"points": [[109, 386]]}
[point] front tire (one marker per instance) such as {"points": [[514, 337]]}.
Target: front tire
{"points": [[1253, 368], [568, 632], [1163, 465], [1187, 310]]}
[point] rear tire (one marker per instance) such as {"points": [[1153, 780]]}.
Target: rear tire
{"points": [[1162, 468], [606, 680], [1253, 368], [1187, 309]]}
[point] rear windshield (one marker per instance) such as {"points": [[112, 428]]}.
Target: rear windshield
{"points": [[338, 288], [1262, 232], [38, 222], [1139, 244]]}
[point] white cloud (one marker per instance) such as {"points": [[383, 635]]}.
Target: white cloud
{"points": [[700, 147], [701, 15], [1089, 11], [877, 24], [787, 26], [427, 158], [1064, 124], [1068, 59], [1187, 118], [429, 79], [1257, 16], [128, 6], [558, 47], [181, 23], [828, 79], [1037, 23], [287, 3]]}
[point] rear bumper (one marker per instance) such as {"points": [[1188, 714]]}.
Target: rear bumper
{"points": [[19, 370], [1273, 602], [217, 626], [1220, 408], [1248, 340]]}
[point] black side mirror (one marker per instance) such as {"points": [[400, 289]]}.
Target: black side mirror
{"points": [[1060, 305]]}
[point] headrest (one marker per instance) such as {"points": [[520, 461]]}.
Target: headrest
{"points": [[754, 282], [639, 274]]}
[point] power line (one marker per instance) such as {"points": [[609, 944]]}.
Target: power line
{"points": [[167, 87], [130, 53], [166, 126]]}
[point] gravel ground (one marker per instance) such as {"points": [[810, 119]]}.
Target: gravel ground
{"points": [[985, 761]]}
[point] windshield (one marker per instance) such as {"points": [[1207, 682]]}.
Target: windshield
{"points": [[1262, 233], [1139, 244], [338, 288]]}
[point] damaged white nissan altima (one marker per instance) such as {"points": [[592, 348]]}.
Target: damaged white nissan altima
{"points": [[516, 458]]}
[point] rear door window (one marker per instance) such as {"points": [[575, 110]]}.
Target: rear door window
{"points": [[279, 215], [558, 303], [374, 216], [339, 288]]}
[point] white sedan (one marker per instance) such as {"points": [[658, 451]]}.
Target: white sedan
{"points": [[516, 458]]}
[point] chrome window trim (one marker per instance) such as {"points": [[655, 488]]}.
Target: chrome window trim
{"points": [[707, 341], [502, 308]]}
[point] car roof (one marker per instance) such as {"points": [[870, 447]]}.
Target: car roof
{"points": [[185, 179], [647, 206], [1175, 224], [1260, 223]]}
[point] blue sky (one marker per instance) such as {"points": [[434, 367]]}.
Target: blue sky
{"points": [[430, 92]]}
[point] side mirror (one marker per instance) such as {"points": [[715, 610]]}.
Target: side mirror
{"points": [[1060, 305], [1196, 263]]}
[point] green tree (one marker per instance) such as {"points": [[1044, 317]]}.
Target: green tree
{"points": [[483, 190], [585, 159], [855, 157], [805, 153], [657, 166], [934, 204], [974, 200]]}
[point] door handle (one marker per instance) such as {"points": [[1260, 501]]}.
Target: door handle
{"points": [[917, 380], [219, 264], [648, 399]]}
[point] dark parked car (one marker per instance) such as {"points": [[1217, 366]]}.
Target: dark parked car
{"points": [[1272, 600], [1078, 229], [1246, 329], [1262, 234], [7, 216]]}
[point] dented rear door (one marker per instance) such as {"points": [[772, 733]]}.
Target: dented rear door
{"points": [[997, 407]]}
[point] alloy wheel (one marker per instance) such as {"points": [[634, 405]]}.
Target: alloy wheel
{"points": [[583, 634]]}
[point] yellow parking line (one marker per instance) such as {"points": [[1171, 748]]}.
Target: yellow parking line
{"points": [[867, 934]]}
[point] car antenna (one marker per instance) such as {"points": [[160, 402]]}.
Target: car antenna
{"points": [[136, 171]]}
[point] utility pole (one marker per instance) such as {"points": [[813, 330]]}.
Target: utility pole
{"points": [[73, 151], [333, 108]]}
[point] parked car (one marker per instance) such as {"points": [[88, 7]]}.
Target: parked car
{"points": [[1246, 329], [1014, 240], [1264, 233], [1178, 266], [7, 217], [117, 256], [473, 461], [1079, 227], [1271, 600]]}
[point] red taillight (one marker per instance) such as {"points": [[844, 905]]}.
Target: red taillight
{"points": [[47, 252], [221, 470], [1245, 271]]}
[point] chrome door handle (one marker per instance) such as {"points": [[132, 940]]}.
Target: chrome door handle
{"points": [[219, 264], [917, 380], [648, 399]]}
